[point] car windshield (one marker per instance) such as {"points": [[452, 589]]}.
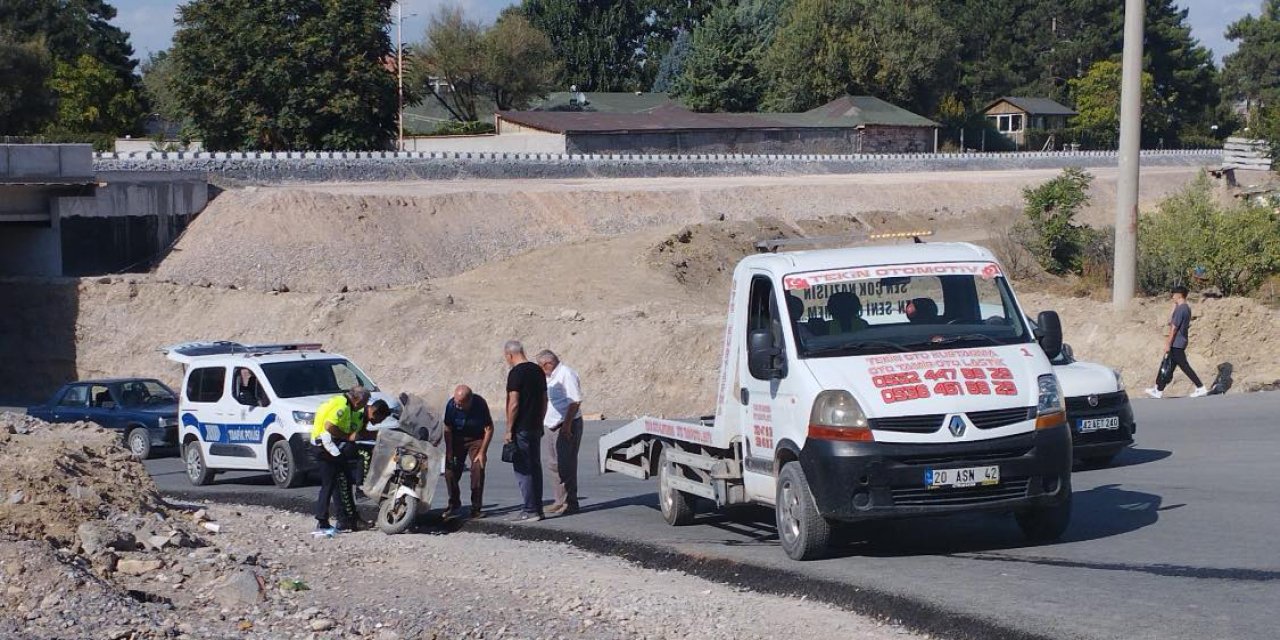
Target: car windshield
{"points": [[899, 308], [144, 393], [301, 378]]}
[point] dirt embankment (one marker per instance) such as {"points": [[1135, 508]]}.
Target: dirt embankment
{"points": [[323, 238]]}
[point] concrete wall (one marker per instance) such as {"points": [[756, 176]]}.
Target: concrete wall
{"points": [[535, 142], [143, 145], [880, 139], [46, 162]]}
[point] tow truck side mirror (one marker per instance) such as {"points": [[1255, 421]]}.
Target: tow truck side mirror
{"points": [[762, 355], [1050, 333]]}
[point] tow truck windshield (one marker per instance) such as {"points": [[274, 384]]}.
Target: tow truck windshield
{"points": [[874, 310]]}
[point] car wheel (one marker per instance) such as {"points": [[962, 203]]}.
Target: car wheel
{"points": [[804, 533], [1046, 524], [197, 470], [677, 508], [284, 467], [139, 441]]}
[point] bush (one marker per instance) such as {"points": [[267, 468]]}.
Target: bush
{"points": [[1050, 210], [1195, 241], [460, 128]]}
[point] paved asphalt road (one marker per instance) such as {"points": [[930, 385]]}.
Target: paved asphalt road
{"points": [[1181, 539]]}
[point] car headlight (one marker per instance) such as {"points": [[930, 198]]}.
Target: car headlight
{"points": [[1051, 411], [168, 422], [836, 415], [408, 463], [304, 417]]}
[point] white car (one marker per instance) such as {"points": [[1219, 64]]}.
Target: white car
{"points": [[1098, 409], [251, 407]]}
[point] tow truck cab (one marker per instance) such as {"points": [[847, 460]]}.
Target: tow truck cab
{"points": [[867, 383], [252, 407]]}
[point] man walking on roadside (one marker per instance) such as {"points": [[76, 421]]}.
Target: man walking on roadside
{"points": [[468, 430], [564, 421], [1176, 344], [526, 409]]}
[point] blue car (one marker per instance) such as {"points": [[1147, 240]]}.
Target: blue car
{"points": [[144, 411]]}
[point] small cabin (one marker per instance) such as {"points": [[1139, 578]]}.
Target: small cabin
{"points": [[1012, 116]]}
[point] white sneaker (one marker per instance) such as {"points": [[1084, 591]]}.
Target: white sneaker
{"points": [[1200, 392], [1155, 393]]}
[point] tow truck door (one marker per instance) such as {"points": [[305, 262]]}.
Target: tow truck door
{"points": [[765, 403]]}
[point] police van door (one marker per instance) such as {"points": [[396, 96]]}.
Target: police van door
{"points": [[251, 410]]}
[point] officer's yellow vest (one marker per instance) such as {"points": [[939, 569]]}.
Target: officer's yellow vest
{"points": [[334, 411]]}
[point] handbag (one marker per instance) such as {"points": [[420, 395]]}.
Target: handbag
{"points": [[508, 452], [1165, 374]]}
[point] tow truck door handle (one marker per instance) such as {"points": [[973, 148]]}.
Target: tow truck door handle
{"points": [[744, 396]]}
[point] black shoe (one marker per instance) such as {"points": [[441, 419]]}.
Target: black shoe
{"points": [[346, 526]]}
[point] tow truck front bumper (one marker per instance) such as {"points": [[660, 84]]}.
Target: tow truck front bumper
{"points": [[853, 481]]}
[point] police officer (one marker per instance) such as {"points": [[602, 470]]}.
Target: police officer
{"points": [[339, 422]]}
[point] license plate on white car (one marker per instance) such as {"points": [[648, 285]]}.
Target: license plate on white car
{"points": [[961, 478], [1089, 425]]}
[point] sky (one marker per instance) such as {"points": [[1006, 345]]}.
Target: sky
{"points": [[150, 22]]}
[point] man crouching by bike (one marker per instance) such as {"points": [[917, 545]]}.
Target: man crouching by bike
{"points": [[339, 423]]}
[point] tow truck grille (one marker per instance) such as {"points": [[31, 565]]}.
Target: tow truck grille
{"points": [[920, 496], [1106, 402], [928, 423]]}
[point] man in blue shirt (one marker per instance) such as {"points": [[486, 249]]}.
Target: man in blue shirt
{"points": [[468, 429], [1176, 344]]}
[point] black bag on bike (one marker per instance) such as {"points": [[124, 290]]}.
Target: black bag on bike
{"points": [[1165, 374]]}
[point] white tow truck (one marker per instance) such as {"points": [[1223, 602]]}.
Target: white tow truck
{"points": [[868, 383]]}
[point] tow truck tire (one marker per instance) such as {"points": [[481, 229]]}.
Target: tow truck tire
{"points": [[284, 466], [677, 509], [804, 533], [197, 468], [1046, 524]]}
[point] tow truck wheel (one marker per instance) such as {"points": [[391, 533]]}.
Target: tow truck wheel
{"points": [[804, 533], [676, 507], [197, 470], [1046, 524]]}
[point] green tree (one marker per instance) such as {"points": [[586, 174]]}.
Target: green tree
{"points": [[81, 109], [600, 43], [1097, 98], [453, 52], [158, 86], [1253, 71], [302, 74], [519, 62], [26, 102], [672, 64], [1050, 209], [898, 51], [721, 71]]}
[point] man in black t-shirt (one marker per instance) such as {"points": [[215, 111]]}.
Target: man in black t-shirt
{"points": [[468, 429], [526, 408]]}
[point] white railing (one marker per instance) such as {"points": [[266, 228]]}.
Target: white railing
{"points": [[497, 156]]}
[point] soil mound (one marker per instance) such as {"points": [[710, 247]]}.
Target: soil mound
{"points": [[54, 478]]}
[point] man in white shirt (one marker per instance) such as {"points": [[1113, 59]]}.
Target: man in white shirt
{"points": [[564, 427]]}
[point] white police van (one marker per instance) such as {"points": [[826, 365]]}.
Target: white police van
{"points": [[251, 407]]}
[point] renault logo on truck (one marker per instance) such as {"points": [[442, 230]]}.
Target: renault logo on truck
{"points": [[956, 426]]}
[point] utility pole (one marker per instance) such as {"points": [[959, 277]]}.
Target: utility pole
{"points": [[399, 76], [1126, 253]]}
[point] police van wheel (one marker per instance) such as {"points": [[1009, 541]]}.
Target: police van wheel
{"points": [[197, 470], [284, 467], [677, 508], [804, 533]]}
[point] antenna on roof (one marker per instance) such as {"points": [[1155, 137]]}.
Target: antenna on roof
{"points": [[772, 246]]}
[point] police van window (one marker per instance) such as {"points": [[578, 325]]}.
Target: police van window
{"points": [[247, 390], [77, 396], [206, 384]]}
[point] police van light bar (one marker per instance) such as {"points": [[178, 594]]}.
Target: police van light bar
{"points": [[771, 246]]}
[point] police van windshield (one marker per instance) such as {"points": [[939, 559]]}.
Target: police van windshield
{"points": [[302, 378], [897, 308]]}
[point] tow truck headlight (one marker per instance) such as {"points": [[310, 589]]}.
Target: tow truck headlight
{"points": [[1050, 408], [837, 415], [304, 417], [408, 463]]}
